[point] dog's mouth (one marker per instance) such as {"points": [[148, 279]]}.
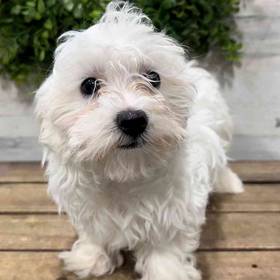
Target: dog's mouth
{"points": [[133, 144]]}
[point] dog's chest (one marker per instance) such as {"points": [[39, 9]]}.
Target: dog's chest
{"points": [[125, 222]]}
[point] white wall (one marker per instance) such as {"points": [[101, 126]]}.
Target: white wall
{"points": [[18, 129], [252, 91], [254, 95]]}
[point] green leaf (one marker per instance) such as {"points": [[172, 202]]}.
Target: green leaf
{"points": [[78, 11], [96, 14], [41, 6], [42, 55], [16, 10], [29, 29], [68, 4], [48, 24]]}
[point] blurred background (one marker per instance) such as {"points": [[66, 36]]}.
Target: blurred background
{"points": [[238, 41]]}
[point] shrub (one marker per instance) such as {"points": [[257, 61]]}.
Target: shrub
{"points": [[29, 29]]}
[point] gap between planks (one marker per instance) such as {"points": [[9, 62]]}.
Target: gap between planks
{"points": [[32, 198], [240, 242], [249, 171], [223, 231], [214, 266]]}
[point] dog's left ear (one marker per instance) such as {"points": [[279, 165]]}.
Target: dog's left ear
{"points": [[48, 135], [41, 98], [63, 41]]}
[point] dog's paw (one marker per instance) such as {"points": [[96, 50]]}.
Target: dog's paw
{"points": [[168, 267], [189, 273], [117, 259], [192, 273], [228, 182], [88, 260]]}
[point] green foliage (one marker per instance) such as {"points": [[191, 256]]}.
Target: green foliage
{"points": [[29, 29]]}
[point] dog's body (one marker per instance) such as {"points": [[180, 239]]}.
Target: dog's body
{"points": [[142, 190]]}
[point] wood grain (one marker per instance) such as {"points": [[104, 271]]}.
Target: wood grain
{"points": [[25, 198], [257, 171], [241, 240], [27, 232], [249, 171], [223, 231], [47, 266], [239, 265], [240, 231], [21, 172], [255, 198], [32, 198], [214, 266]]}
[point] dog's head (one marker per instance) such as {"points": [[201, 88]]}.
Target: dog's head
{"points": [[117, 97]]}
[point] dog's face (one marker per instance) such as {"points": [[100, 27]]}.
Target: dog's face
{"points": [[117, 97]]}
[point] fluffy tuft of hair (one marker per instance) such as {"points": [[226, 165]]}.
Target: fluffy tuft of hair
{"points": [[122, 12]]}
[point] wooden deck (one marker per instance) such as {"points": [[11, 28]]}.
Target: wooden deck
{"points": [[241, 240]]}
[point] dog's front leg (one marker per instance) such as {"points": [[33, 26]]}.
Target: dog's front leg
{"points": [[87, 257], [166, 263]]}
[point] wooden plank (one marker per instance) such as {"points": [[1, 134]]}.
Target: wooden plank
{"points": [[249, 171], [32, 198], [214, 266], [27, 232], [30, 266], [255, 198], [257, 171], [21, 172], [240, 231], [25, 198], [223, 231], [239, 265], [47, 266]]}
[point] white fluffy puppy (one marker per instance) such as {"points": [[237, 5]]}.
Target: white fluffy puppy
{"points": [[135, 139]]}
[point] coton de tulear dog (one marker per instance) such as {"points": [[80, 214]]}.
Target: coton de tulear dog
{"points": [[135, 138]]}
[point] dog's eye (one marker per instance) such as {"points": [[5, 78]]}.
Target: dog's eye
{"points": [[153, 78], [90, 86]]}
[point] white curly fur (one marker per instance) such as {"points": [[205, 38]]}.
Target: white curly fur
{"points": [[150, 199]]}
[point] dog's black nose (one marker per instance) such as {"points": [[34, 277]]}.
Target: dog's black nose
{"points": [[132, 122]]}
